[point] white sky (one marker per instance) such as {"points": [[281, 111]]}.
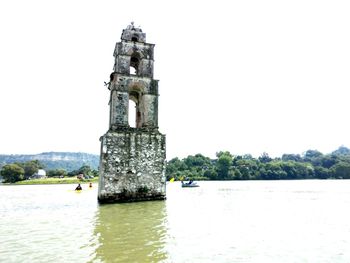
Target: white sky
{"points": [[246, 76]]}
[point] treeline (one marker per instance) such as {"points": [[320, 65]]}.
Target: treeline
{"points": [[20, 171], [310, 165]]}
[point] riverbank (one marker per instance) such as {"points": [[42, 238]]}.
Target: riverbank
{"points": [[65, 180]]}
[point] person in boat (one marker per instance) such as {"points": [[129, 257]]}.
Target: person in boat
{"points": [[78, 188], [190, 182]]}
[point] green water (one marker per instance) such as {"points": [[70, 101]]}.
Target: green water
{"points": [[136, 231], [252, 221]]}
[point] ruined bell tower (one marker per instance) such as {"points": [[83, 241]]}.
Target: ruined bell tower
{"points": [[132, 160]]}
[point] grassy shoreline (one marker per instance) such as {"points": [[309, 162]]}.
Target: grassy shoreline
{"points": [[66, 180]]}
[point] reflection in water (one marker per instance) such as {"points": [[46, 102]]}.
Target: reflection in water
{"points": [[131, 232]]}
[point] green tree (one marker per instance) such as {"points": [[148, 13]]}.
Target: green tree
{"points": [[321, 172], [327, 161], [219, 154], [311, 155], [223, 166], [265, 158], [273, 171], [341, 170], [247, 157], [57, 173], [85, 169], [237, 174], [12, 173], [292, 157], [174, 168], [211, 174], [342, 150], [31, 167], [197, 160]]}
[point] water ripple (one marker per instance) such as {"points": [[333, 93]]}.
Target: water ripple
{"points": [[284, 221]]}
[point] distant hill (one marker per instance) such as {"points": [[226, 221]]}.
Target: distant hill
{"points": [[55, 160]]}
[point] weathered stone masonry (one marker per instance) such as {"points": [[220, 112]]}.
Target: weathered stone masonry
{"points": [[132, 162]]}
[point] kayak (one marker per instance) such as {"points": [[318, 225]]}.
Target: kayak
{"points": [[192, 184], [75, 191]]}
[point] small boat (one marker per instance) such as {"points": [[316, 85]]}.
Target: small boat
{"points": [[189, 184]]}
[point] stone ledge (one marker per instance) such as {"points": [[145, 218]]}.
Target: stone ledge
{"points": [[115, 128]]}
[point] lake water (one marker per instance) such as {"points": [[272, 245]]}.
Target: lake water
{"points": [[233, 221]]}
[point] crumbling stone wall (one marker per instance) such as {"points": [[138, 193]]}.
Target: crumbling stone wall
{"points": [[132, 165]]}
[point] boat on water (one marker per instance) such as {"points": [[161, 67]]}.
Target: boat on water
{"points": [[189, 184]]}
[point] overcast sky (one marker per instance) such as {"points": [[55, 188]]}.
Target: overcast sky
{"points": [[246, 76]]}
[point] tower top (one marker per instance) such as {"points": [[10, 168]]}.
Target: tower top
{"points": [[132, 33]]}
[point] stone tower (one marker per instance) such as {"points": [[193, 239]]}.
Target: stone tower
{"points": [[132, 160]]}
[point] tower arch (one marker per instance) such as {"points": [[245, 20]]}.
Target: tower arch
{"points": [[135, 62], [135, 38]]}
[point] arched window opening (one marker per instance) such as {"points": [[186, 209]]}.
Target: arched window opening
{"points": [[132, 114], [134, 38], [134, 65]]}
